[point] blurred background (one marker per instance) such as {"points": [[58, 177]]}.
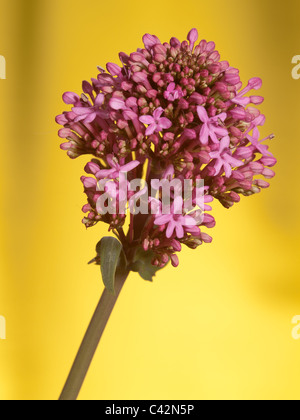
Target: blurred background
{"points": [[217, 327]]}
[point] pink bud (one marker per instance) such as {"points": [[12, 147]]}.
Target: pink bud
{"points": [[206, 238], [256, 100], [160, 49], [92, 168], [197, 98], [268, 161], [174, 260], [262, 184], [160, 58], [238, 113], [175, 43], [268, 173], [70, 98], [113, 69], [66, 146], [64, 133], [150, 41], [255, 83], [61, 119], [192, 37], [88, 182], [231, 79], [139, 77]]}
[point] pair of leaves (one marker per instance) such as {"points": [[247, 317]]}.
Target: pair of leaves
{"points": [[112, 258]]}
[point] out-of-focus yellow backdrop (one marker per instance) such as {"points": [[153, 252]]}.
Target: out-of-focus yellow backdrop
{"points": [[217, 327]]}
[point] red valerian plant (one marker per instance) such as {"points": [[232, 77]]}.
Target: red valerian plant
{"points": [[170, 111]]}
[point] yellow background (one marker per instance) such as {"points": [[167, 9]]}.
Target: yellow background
{"points": [[217, 327]]}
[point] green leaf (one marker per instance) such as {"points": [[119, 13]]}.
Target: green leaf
{"points": [[142, 264], [109, 250]]}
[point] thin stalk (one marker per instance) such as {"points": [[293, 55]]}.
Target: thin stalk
{"points": [[91, 340]]}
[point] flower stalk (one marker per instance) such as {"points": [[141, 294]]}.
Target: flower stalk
{"points": [[91, 340]]}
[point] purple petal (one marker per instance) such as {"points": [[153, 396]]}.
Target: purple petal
{"points": [[146, 119], [163, 220], [179, 231], [170, 229], [79, 110], [164, 123], [151, 129], [90, 118], [224, 143], [232, 161], [157, 113], [204, 134], [228, 170], [218, 166], [213, 136], [220, 131], [202, 114], [129, 166]]}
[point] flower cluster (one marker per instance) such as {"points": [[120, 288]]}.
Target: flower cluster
{"points": [[170, 110]]}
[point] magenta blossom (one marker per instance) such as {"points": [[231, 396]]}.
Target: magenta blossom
{"points": [[223, 158], [176, 221], [173, 93], [156, 123], [89, 114], [211, 127], [116, 168]]}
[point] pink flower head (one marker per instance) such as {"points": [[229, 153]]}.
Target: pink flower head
{"points": [[171, 111], [211, 127], [156, 123]]}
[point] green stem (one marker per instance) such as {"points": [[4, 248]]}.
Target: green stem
{"points": [[91, 340]]}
